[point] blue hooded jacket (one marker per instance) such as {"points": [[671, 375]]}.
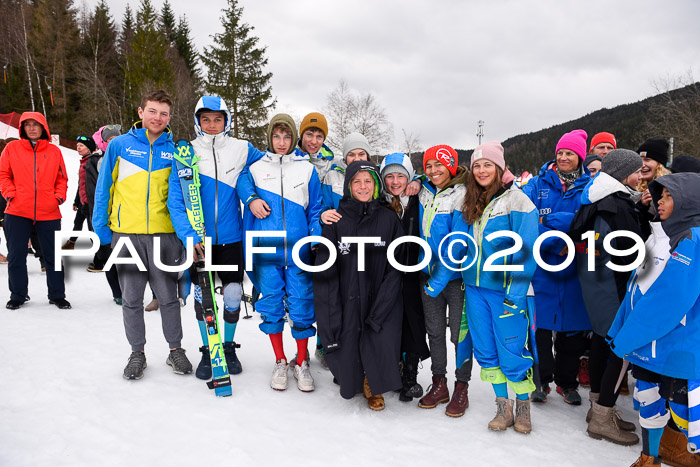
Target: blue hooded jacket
{"points": [[558, 295]]}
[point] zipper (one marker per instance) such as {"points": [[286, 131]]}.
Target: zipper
{"points": [[410, 229], [148, 185], [284, 222], [431, 216], [481, 227], [653, 348], [35, 182], [216, 194]]}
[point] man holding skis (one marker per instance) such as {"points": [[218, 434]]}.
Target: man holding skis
{"points": [[221, 159]]}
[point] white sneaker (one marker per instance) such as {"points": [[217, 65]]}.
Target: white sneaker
{"points": [[279, 376], [302, 373]]}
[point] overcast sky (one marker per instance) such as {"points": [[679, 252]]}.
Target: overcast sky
{"points": [[438, 67]]}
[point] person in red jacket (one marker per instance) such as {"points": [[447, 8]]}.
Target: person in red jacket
{"points": [[33, 180]]}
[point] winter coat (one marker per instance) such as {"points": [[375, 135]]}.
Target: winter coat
{"points": [[82, 195], [509, 210], [291, 188], [436, 211], [92, 171], [222, 159], [359, 313], [132, 187], [658, 324], [558, 296], [606, 207], [332, 187], [323, 161], [33, 179]]}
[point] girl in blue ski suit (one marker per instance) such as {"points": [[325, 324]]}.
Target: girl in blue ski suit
{"points": [[657, 327], [556, 193], [440, 195], [222, 158], [496, 301], [289, 189]]}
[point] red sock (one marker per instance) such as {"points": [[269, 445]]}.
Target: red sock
{"points": [[278, 346], [301, 350]]}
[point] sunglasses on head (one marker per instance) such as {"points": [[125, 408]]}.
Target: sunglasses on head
{"points": [[81, 138], [113, 127]]}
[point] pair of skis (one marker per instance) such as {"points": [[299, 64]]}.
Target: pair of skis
{"points": [[188, 173]]}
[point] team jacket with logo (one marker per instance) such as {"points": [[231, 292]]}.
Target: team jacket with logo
{"points": [[221, 160], [436, 209], [132, 187], [290, 186]]}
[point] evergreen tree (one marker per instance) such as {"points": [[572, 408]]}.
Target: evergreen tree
{"points": [[186, 49], [55, 46], [167, 22], [235, 72], [147, 66]]}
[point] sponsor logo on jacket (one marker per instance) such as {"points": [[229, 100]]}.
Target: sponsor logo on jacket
{"points": [[681, 258], [136, 152], [166, 155]]}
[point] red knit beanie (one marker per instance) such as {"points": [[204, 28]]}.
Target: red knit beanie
{"points": [[603, 137], [443, 154], [574, 141]]}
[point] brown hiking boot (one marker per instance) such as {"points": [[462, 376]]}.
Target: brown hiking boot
{"points": [[603, 425], [625, 386], [646, 460], [153, 306], [460, 400], [504, 415], [437, 394], [623, 424], [374, 402], [674, 450], [522, 422], [69, 245]]}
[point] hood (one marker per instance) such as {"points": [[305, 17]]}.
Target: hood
{"points": [[357, 166], [39, 117], [134, 131], [459, 178], [685, 190], [601, 186], [289, 121], [213, 104]]}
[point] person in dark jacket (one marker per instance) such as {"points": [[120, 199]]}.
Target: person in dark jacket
{"points": [[92, 167], [360, 313], [657, 327], [33, 180], [606, 208], [397, 171], [85, 146], [556, 193]]}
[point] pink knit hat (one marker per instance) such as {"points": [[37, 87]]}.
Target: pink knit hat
{"points": [[574, 141], [492, 151]]}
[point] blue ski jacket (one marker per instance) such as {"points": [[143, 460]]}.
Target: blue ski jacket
{"points": [[436, 210], [511, 211], [290, 186], [558, 296], [657, 327]]}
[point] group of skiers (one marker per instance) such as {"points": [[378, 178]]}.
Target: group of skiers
{"points": [[617, 300]]}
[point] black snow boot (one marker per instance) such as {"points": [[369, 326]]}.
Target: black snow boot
{"points": [[204, 368], [409, 376], [232, 362]]}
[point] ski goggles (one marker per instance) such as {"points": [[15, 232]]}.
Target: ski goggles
{"points": [[81, 139]]}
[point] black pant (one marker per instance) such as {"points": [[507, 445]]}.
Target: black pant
{"points": [[80, 216], [562, 366], [18, 230], [605, 369]]}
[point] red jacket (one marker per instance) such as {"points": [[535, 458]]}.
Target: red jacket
{"points": [[33, 179]]}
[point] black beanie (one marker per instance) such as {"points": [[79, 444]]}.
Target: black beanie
{"points": [[656, 149], [685, 163], [87, 141]]}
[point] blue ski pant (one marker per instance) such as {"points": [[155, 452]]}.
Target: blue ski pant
{"points": [[18, 231], [499, 338], [277, 282]]}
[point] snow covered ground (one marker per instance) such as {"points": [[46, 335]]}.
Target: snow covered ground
{"points": [[63, 401]]}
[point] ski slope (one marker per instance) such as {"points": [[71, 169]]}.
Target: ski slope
{"points": [[63, 401]]}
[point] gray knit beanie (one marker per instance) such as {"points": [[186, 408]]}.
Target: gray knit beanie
{"points": [[621, 163], [355, 141], [395, 168]]}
